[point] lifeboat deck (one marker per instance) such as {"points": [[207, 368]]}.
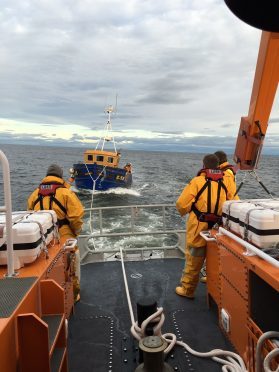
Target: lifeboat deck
{"points": [[99, 331]]}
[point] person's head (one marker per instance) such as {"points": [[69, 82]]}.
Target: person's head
{"points": [[210, 161], [222, 156], [55, 170]]}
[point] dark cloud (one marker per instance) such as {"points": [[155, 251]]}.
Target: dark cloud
{"points": [[77, 136], [227, 125], [170, 89]]}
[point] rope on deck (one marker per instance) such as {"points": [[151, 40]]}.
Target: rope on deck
{"points": [[231, 362]]}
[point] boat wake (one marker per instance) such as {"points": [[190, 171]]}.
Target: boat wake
{"points": [[115, 191], [120, 191], [144, 186]]}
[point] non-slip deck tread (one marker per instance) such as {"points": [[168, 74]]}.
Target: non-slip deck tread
{"points": [[100, 327], [12, 291]]}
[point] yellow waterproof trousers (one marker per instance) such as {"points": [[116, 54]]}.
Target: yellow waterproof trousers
{"points": [[194, 259]]}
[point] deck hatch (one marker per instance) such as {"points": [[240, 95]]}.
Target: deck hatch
{"points": [[12, 291], [264, 303]]}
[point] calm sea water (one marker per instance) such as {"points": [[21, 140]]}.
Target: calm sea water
{"points": [[158, 177]]}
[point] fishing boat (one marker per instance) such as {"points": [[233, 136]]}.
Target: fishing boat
{"points": [[237, 310], [100, 168]]}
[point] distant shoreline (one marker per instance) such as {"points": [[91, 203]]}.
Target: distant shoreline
{"points": [[267, 151]]}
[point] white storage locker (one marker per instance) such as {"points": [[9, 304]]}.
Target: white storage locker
{"points": [[255, 220], [31, 232]]}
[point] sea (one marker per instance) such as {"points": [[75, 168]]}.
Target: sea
{"points": [[158, 178]]}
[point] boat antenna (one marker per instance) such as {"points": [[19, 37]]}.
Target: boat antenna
{"points": [[108, 129]]}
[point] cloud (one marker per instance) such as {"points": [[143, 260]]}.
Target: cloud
{"points": [[177, 67], [172, 141]]}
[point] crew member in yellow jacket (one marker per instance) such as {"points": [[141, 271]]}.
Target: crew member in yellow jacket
{"points": [[54, 193], [202, 198]]}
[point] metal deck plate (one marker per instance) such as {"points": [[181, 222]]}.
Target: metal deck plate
{"points": [[12, 291]]}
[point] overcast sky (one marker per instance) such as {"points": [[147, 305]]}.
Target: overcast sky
{"points": [[182, 70]]}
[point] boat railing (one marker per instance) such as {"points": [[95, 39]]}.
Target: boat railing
{"points": [[7, 209], [139, 228]]}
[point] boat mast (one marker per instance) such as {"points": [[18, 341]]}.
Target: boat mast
{"points": [[108, 129]]}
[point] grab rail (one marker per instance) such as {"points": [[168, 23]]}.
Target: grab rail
{"points": [[133, 212], [249, 247], [7, 208], [131, 229]]}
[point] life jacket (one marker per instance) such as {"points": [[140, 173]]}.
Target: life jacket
{"points": [[49, 189], [231, 167], [211, 175]]}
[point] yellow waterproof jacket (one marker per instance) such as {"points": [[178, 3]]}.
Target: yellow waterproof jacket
{"points": [[229, 172], [68, 199], [187, 197]]}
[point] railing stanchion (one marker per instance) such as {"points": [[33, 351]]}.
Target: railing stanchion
{"points": [[132, 219], [164, 218], [8, 209], [101, 220]]}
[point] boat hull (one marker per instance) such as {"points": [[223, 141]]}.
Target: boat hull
{"points": [[105, 177]]}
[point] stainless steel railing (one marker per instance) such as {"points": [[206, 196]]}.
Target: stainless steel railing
{"points": [[7, 209], [135, 224]]}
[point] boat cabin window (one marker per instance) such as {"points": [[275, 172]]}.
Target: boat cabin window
{"points": [[110, 159], [90, 157], [99, 158]]}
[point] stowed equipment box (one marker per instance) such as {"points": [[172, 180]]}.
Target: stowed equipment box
{"points": [[254, 220], [31, 231]]}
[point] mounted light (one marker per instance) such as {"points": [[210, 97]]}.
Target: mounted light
{"points": [[259, 14]]}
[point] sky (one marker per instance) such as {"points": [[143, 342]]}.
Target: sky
{"points": [[182, 71]]}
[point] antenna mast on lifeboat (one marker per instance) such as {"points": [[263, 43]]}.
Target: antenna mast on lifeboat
{"points": [[254, 126]]}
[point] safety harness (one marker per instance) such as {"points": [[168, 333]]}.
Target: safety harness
{"points": [[211, 175], [49, 189]]}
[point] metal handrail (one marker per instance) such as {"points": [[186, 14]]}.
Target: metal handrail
{"points": [[99, 232], [135, 233], [7, 208], [132, 208]]}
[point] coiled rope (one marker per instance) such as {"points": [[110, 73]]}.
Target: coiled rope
{"points": [[231, 362], [270, 356]]}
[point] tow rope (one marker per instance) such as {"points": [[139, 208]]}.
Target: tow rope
{"points": [[92, 194]]}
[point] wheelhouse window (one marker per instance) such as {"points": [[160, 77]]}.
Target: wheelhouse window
{"points": [[90, 157], [100, 158], [110, 159]]}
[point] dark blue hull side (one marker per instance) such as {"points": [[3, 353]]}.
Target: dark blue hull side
{"points": [[106, 178]]}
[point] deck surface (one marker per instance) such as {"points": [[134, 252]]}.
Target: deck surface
{"points": [[99, 330]]}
